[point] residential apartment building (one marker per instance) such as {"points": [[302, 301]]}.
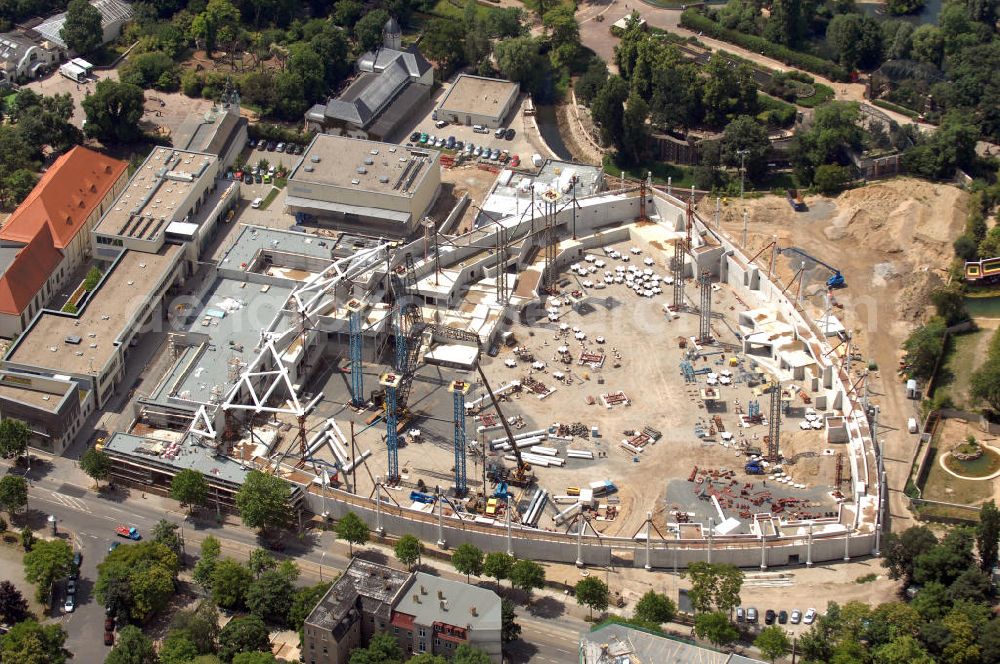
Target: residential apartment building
{"points": [[424, 613], [47, 238]]}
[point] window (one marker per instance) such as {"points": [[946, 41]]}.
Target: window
{"points": [[395, 630], [422, 646], [437, 642], [422, 632]]}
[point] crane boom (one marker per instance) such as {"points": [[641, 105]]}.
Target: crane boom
{"points": [[836, 281], [522, 467]]}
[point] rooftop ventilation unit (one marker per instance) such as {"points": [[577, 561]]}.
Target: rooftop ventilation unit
{"points": [[74, 340], [384, 179], [374, 152], [362, 170], [369, 161], [355, 181], [308, 169]]}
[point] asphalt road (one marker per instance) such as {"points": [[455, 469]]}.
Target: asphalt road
{"points": [[549, 635]]}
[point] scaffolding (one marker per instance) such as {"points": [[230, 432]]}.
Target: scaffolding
{"points": [[354, 307], [705, 314], [390, 382], [774, 423], [677, 266], [459, 388]]}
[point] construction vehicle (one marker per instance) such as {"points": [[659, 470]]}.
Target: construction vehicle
{"points": [[754, 468], [835, 281], [521, 475]]}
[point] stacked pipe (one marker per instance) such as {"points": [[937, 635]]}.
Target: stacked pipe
{"points": [[535, 507]]}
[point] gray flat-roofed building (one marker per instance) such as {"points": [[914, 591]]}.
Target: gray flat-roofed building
{"points": [[477, 100], [222, 131], [392, 83], [53, 408], [363, 187], [612, 643]]}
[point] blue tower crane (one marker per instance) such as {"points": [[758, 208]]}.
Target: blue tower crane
{"points": [[391, 381], [354, 307], [459, 388]]}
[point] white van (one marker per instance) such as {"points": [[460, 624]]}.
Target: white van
{"points": [[255, 203], [480, 129]]}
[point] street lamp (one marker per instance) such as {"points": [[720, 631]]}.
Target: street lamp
{"points": [[743, 155]]}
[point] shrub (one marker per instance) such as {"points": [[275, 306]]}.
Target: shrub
{"points": [[693, 20]]}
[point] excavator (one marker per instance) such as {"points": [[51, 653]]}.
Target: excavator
{"points": [[836, 280]]}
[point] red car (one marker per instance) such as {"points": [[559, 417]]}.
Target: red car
{"points": [[109, 624], [109, 638], [515, 161]]}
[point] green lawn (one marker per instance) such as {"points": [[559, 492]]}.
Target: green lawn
{"points": [[824, 93], [682, 176], [965, 353], [945, 487]]}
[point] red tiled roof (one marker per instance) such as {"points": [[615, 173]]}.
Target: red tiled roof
{"points": [[28, 272], [64, 197], [403, 620]]}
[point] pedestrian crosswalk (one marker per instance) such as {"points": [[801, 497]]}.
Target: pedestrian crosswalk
{"points": [[70, 502]]}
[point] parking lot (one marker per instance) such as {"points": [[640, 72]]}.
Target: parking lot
{"points": [[520, 144]]}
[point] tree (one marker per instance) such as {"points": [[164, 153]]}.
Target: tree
{"points": [[608, 109], [14, 435], [219, 20], [927, 44], [985, 383], [368, 29], [263, 501], [951, 146], [467, 559], [382, 649], [271, 597], [230, 582], [562, 26], [498, 565], [716, 627], [27, 538], [408, 550], [830, 179], [945, 562], [244, 634], [634, 142], [113, 111], [857, 40], [466, 654], [205, 567], [189, 487], [254, 658], [137, 580], [593, 593], [13, 607], [30, 643], [655, 607], [200, 625], [745, 134], [903, 650], [788, 23], [303, 602], [527, 575], [972, 585], [13, 494], [352, 529], [347, 12], [591, 81], [924, 346], [93, 278], [261, 561], [177, 648], [96, 464], [426, 658], [444, 43], [903, 7], [132, 647], [714, 586], [16, 186], [949, 301], [509, 629], [773, 642], [82, 29], [965, 247], [47, 562], [520, 59], [167, 534]]}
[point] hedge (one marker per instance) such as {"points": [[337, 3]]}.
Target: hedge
{"points": [[913, 115], [692, 20]]}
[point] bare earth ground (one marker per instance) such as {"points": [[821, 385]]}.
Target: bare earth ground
{"points": [[892, 241]]}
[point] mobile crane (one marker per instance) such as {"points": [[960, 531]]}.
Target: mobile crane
{"points": [[521, 476], [835, 281]]}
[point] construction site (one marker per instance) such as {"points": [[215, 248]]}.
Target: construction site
{"points": [[588, 372]]}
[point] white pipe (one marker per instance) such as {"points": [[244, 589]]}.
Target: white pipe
{"points": [[312, 404], [580, 454], [545, 451], [358, 461]]}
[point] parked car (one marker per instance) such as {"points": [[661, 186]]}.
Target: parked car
{"points": [[271, 145], [450, 143], [415, 136], [480, 129], [114, 545], [262, 144], [782, 616], [69, 606], [498, 133], [74, 571], [478, 151], [256, 202], [109, 624], [515, 161], [109, 638], [809, 617], [769, 617], [280, 147], [796, 616], [495, 154], [741, 614], [247, 178], [469, 147], [424, 138], [71, 587], [258, 178], [509, 134], [459, 145], [440, 124], [751, 615]]}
